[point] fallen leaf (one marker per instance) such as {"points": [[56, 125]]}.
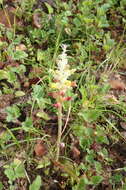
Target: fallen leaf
{"points": [[2, 133], [3, 114], [1, 64], [117, 84], [5, 100], [21, 47], [26, 84], [7, 16], [75, 152], [123, 134], [40, 149]]}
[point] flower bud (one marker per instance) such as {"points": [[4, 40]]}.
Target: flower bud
{"points": [[57, 105], [68, 98]]}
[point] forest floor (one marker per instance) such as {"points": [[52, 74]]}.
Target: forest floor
{"points": [[92, 148]]}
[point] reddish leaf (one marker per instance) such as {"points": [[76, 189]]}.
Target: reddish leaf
{"points": [[40, 149], [7, 16], [117, 84], [75, 152]]}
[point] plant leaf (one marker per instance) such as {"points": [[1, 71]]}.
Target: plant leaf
{"points": [[1, 186], [36, 184]]}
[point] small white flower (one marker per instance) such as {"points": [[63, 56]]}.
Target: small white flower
{"points": [[63, 72], [62, 61]]}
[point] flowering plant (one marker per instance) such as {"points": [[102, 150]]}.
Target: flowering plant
{"points": [[61, 83], [60, 87]]}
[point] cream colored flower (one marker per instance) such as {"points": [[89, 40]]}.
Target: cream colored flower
{"points": [[63, 72]]}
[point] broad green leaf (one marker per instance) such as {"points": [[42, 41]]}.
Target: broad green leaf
{"points": [[12, 113], [20, 69], [19, 93], [18, 55], [103, 139], [27, 125], [90, 158], [90, 115], [10, 35], [19, 168], [96, 179], [117, 178], [82, 185], [37, 92], [50, 9], [36, 184], [1, 186], [40, 55], [3, 74], [43, 115], [9, 172], [11, 77], [98, 166], [78, 130]]}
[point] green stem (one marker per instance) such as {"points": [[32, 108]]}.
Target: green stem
{"points": [[59, 131], [57, 46]]}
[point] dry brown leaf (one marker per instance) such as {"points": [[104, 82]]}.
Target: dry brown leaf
{"points": [[75, 152], [117, 84], [1, 64], [5, 100], [40, 149], [21, 47], [2, 132], [123, 125], [123, 134], [7, 16], [26, 84]]}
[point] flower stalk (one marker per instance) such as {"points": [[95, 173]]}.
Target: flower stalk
{"points": [[59, 131], [60, 87]]}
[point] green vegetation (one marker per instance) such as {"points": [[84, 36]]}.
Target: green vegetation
{"points": [[62, 94]]}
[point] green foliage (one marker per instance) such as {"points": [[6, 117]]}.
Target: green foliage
{"points": [[27, 125], [1, 186], [14, 171], [108, 43], [12, 113], [94, 31], [90, 115], [36, 183], [96, 179]]}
